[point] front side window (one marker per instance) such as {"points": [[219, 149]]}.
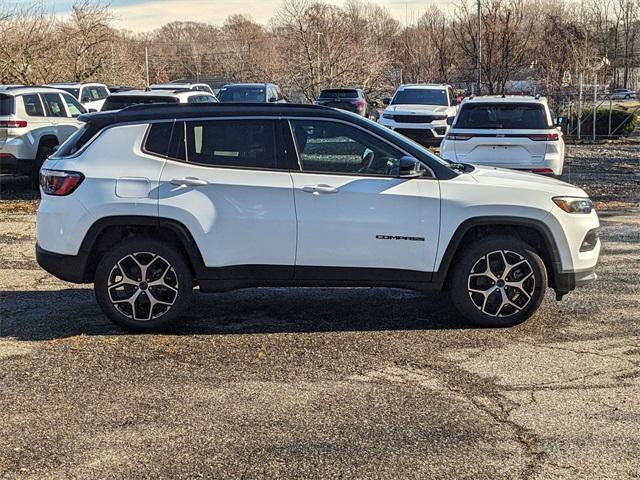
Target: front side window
{"points": [[420, 96], [75, 108], [75, 92], [506, 115], [325, 146], [231, 143], [55, 107], [33, 105]]}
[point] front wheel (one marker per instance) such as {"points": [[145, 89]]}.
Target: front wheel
{"points": [[143, 284], [498, 281]]}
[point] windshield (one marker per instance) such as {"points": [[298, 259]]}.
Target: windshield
{"points": [[507, 115], [73, 91], [420, 96], [242, 94], [120, 102], [338, 94]]}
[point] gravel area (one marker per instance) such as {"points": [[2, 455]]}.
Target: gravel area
{"points": [[327, 383]]}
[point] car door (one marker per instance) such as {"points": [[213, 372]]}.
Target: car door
{"points": [[232, 189], [60, 117], [355, 212]]}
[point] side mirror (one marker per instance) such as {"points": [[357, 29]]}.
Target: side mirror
{"points": [[91, 110], [386, 100], [410, 167], [273, 99], [450, 120], [85, 99]]}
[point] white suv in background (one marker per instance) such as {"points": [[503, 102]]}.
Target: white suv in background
{"points": [[33, 121], [198, 87], [127, 98], [149, 201], [420, 112], [90, 95], [512, 132]]}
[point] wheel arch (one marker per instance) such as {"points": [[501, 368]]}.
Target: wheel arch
{"points": [[533, 232], [48, 140], [108, 231]]}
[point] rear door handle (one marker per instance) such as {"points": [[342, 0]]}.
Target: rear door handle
{"points": [[318, 189], [189, 182]]}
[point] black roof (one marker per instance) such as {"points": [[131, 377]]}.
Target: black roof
{"points": [[161, 111]]}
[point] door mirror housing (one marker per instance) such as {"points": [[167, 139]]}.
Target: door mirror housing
{"points": [[450, 120], [273, 99], [85, 99], [91, 110], [411, 167], [386, 100]]}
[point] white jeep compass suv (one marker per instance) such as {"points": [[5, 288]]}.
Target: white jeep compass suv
{"points": [[152, 200], [420, 112], [510, 132]]}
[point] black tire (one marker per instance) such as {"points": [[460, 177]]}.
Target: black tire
{"points": [[175, 285], [480, 297], [43, 153]]}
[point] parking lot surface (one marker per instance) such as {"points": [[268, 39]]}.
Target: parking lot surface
{"points": [[327, 383]]}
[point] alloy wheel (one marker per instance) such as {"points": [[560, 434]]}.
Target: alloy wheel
{"points": [[501, 283], [142, 286]]}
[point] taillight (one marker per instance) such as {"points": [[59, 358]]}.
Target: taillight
{"points": [[542, 171], [543, 137], [458, 136], [360, 104], [58, 182], [13, 123]]}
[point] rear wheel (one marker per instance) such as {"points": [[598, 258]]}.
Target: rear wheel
{"points": [[142, 284], [499, 281], [43, 153]]}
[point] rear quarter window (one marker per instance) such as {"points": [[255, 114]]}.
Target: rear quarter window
{"points": [[339, 94], [522, 116], [7, 105], [76, 141]]}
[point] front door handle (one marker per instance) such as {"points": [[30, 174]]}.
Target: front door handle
{"points": [[318, 189], [189, 182]]}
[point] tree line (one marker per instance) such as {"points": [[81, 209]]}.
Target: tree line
{"points": [[309, 45]]}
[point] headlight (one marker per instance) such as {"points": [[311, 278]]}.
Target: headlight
{"points": [[388, 116], [574, 204]]}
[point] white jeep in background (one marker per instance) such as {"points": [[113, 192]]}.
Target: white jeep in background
{"points": [[420, 112], [90, 95], [33, 121]]}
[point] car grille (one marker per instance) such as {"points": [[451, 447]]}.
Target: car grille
{"points": [[417, 118], [417, 135]]}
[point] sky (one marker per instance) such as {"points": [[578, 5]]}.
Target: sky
{"points": [[145, 15]]}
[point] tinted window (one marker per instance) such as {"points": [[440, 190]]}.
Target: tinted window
{"points": [[6, 105], [339, 93], [242, 94], [335, 147], [237, 143], [75, 92], [33, 106], [91, 94], [55, 107], [159, 138], [74, 106], [76, 141], [420, 96], [202, 99], [123, 101], [507, 115]]}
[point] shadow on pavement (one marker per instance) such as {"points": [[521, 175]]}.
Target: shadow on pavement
{"points": [[44, 315]]}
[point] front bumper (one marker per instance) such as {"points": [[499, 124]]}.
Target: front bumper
{"points": [[566, 282], [426, 134]]}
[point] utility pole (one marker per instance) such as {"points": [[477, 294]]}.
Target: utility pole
{"points": [[595, 99], [318, 51], [146, 63], [479, 52]]}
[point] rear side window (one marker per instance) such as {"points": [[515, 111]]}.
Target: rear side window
{"points": [[506, 115], [339, 93], [236, 143], [117, 102], [201, 99], [160, 138], [6, 105], [54, 105], [76, 141], [91, 94], [33, 106]]}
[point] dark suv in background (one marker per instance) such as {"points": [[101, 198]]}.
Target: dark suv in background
{"points": [[251, 93], [350, 99]]}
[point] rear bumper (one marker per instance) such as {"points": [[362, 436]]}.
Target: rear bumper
{"points": [[70, 268]]}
